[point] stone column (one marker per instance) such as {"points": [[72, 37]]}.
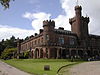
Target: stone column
{"points": [[57, 53], [39, 53], [44, 52], [70, 52], [49, 53], [77, 53], [61, 53]]}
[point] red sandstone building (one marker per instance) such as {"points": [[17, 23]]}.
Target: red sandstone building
{"points": [[60, 43]]}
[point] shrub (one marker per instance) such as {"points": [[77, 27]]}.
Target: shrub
{"points": [[24, 55]]}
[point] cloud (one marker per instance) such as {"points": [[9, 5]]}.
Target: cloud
{"points": [[37, 19], [63, 20], [33, 1], [60, 21], [90, 7], [6, 32], [28, 15]]}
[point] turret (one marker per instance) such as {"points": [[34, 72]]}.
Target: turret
{"points": [[48, 25], [79, 24], [48, 30], [78, 10]]}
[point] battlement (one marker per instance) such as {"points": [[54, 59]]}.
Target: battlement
{"points": [[86, 19], [48, 22], [78, 7]]}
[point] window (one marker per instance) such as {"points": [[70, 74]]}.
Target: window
{"points": [[35, 42], [61, 40], [72, 41], [47, 37], [22, 47], [26, 46], [38, 41], [42, 40]]}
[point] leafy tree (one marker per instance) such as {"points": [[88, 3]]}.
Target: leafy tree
{"points": [[26, 54], [9, 53], [2, 47], [5, 3], [8, 43]]}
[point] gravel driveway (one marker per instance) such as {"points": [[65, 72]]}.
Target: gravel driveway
{"points": [[88, 68], [6, 69]]}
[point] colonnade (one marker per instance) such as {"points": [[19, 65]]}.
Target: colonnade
{"points": [[58, 53]]}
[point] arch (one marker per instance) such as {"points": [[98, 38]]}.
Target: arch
{"points": [[46, 53], [89, 53], [73, 52], [63, 53], [96, 53], [36, 53], [67, 53], [80, 53]]}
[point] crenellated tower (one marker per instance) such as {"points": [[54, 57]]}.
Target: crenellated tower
{"points": [[79, 24], [48, 25], [48, 30]]}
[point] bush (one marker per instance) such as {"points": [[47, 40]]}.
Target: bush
{"points": [[24, 55], [9, 53]]}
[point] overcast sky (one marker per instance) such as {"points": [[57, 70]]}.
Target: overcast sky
{"points": [[25, 17]]}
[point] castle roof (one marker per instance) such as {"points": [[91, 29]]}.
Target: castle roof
{"points": [[64, 32]]}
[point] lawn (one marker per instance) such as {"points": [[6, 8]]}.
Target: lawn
{"points": [[36, 66]]}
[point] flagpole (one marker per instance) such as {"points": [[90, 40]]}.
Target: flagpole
{"points": [[77, 2]]}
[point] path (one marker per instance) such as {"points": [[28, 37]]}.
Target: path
{"points": [[6, 69], [88, 68]]}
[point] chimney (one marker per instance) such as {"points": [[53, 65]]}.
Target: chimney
{"points": [[36, 34], [41, 30], [61, 28]]}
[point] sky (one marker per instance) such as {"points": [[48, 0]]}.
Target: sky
{"points": [[25, 17]]}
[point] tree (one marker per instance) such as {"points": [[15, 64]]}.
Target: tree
{"points": [[9, 53], [5, 3], [8, 43]]}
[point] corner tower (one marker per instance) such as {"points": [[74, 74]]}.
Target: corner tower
{"points": [[48, 27], [79, 24]]}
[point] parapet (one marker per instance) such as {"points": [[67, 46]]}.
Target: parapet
{"points": [[78, 7], [86, 19], [49, 23]]}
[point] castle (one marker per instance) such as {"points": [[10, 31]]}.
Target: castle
{"points": [[60, 43]]}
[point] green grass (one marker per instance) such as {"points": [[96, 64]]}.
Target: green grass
{"points": [[36, 66]]}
